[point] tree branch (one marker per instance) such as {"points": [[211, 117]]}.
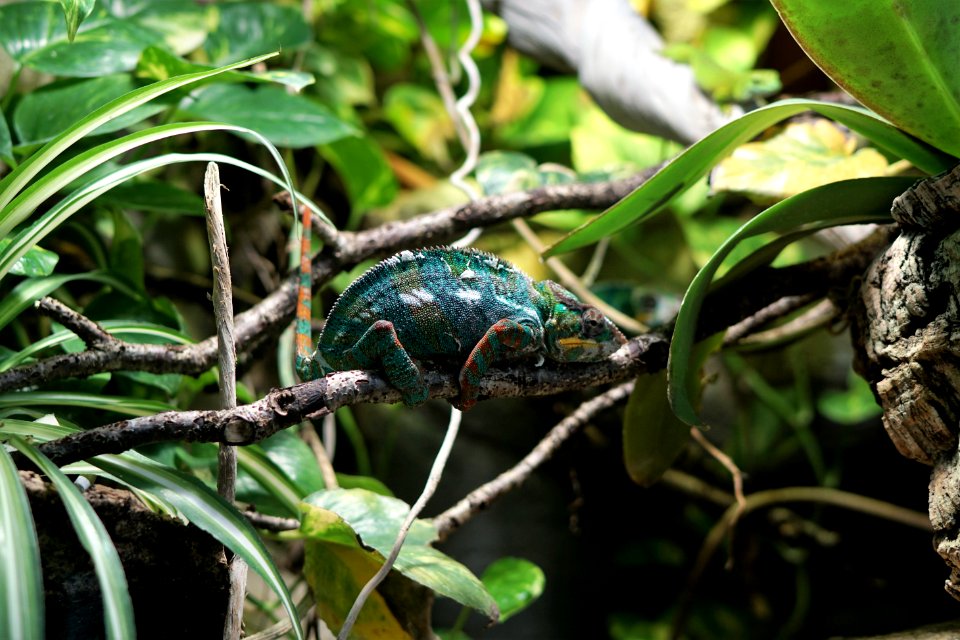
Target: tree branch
{"points": [[265, 321], [282, 408]]}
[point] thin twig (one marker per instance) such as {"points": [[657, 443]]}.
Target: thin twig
{"points": [[816, 317], [227, 364], [484, 495], [727, 462], [433, 480], [271, 523], [771, 312], [92, 334], [762, 499], [310, 436]]}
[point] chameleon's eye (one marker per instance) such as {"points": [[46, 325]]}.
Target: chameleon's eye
{"points": [[593, 322]]}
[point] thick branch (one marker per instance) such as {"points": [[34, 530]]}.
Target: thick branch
{"points": [[265, 321], [282, 408]]}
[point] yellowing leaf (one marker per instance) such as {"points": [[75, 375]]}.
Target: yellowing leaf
{"points": [[802, 156], [336, 574]]}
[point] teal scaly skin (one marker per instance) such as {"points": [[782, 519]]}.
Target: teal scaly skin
{"points": [[464, 304]]}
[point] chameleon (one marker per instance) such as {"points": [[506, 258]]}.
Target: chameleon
{"points": [[447, 303]]}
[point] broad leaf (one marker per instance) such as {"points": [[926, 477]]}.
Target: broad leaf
{"points": [[846, 202], [75, 12], [652, 436], [47, 112], [34, 263], [341, 516], [698, 159], [117, 606], [898, 58], [514, 583], [246, 29], [365, 173], [287, 120], [21, 587], [159, 64]]}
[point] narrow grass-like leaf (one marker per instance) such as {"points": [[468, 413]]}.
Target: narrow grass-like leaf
{"points": [[21, 587], [207, 510], [118, 404], [55, 216], [21, 176], [130, 331], [117, 606], [846, 202], [31, 290], [50, 427], [254, 461], [691, 165], [32, 196]]}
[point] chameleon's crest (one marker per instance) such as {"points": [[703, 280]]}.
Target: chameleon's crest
{"points": [[574, 331]]}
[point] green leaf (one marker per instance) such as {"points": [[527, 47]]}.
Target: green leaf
{"points": [[117, 606], [365, 173], [697, 160], [853, 405], [182, 24], [126, 251], [116, 404], [802, 156], [912, 48], [159, 64], [32, 234], [248, 29], [340, 516], [12, 183], [286, 120], [31, 290], [21, 587], [207, 510], [269, 476], [6, 144], [34, 263], [47, 112], [155, 196], [35, 34], [652, 436], [75, 11], [846, 202], [506, 172], [418, 114], [514, 583]]}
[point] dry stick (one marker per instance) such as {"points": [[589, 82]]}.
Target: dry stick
{"points": [[816, 317], [92, 334], [483, 496], [271, 523], [432, 481], [778, 309], [761, 499], [227, 362]]}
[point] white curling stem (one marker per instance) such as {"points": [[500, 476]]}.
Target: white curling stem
{"points": [[433, 480], [463, 114]]}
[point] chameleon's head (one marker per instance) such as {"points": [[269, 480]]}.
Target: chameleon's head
{"points": [[573, 331]]}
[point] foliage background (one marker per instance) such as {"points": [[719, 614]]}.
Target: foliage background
{"points": [[370, 140]]}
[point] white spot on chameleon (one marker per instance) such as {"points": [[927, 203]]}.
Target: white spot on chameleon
{"points": [[468, 274], [406, 256], [469, 295], [416, 297]]}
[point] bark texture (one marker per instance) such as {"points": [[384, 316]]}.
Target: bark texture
{"points": [[907, 328]]}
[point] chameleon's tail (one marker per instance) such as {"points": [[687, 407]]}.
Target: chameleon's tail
{"points": [[307, 367]]}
